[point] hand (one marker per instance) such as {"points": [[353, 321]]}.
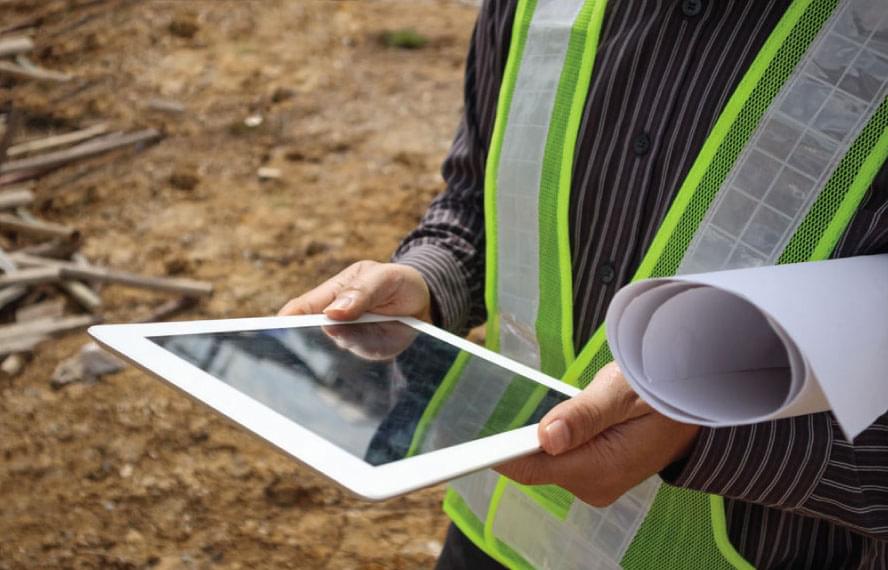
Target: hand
{"points": [[603, 442], [367, 286]]}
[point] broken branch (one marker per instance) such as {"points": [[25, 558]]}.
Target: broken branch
{"points": [[57, 140], [83, 150]]}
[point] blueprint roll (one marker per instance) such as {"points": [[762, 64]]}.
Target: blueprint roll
{"points": [[750, 345]]}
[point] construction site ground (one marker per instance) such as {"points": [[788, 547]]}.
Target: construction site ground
{"points": [[125, 472]]}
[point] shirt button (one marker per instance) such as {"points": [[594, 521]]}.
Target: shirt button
{"points": [[691, 8], [642, 144], [607, 273]]}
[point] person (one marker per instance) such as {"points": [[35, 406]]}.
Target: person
{"points": [[606, 142]]}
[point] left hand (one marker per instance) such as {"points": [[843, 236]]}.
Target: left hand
{"points": [[602, 442]]}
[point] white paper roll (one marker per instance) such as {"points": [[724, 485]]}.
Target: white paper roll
{"points": [[751, 345]]}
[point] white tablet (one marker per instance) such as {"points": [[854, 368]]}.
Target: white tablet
{"points": [[382, 406]]}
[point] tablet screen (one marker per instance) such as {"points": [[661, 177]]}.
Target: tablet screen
{"points": [[381, 391]]}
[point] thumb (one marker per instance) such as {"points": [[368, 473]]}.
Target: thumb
{"points": [[362, 293], [607, 401]]}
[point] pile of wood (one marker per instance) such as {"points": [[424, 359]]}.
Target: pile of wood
{"points": [[47, 286], [14, 61]]}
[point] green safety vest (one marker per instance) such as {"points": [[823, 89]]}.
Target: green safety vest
{"points": [[777, 181]]}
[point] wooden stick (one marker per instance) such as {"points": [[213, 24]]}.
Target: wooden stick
{"points": [[79, 259], [21, 344], [84, 295], [15, 198], [11, 294], [32, 72], [165, 105], [70, 270], [12, 124], [171, 285], [20, 176], [49, 309], [59, 248], [42, 327], [167, 309], [37, 228], [57, 140], [7, 264], [15, 45], [31, 276], [81, 151]]}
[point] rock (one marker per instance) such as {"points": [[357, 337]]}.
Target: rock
{"points": [[269, 173], [282, 94], [316, 247], [183, 27], [184, 179], [253, 121], [13, 364], [89, 364], [289, 493], [285, 493], [134, 537], [177, 266]]}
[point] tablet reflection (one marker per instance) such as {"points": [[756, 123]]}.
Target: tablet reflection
{"points": [[368, 387]]}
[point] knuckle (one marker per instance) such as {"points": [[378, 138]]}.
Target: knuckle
{"points": [[524, 472], [589, 419], [362, 266]]}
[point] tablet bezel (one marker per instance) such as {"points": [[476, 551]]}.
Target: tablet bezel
{"points": [[374, 483]]}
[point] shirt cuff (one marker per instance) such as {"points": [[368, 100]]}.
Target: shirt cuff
{"points": [[446, 281], [777, 463]]}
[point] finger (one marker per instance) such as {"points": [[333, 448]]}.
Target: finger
{"points": [[531, 470], [582, 463], [363, 293], [597, 472], [314, 301], [607, 401]]}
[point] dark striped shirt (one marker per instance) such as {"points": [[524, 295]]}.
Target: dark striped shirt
{"points": [[799, 495]]}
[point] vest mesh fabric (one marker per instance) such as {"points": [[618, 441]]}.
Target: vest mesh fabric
{"points": [[707, 175]]}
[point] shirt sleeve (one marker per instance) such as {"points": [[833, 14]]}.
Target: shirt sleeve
{"points": [[800, 464], [448, 245]]}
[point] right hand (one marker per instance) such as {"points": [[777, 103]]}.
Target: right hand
{"points": [[367, 286]]}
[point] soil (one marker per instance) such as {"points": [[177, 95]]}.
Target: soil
{"points": [[124, 472]]}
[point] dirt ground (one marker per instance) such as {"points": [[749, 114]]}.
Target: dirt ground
{"points": [[126, 473]]}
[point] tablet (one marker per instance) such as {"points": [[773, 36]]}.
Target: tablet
{"points": [[382, 405]]}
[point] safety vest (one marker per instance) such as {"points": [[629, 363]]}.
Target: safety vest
{"points": [[777, 181]]}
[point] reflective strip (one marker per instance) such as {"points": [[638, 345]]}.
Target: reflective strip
{"points": [[519, 173], [480, 385], [813, 121], [533, 531], [476, 490], [590, 538]]}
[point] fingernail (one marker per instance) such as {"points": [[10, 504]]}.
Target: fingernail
{"points": [[340, 303], [558, 435]]}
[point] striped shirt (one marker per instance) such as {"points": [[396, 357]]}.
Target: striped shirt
{"points": [[798, 494]]}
